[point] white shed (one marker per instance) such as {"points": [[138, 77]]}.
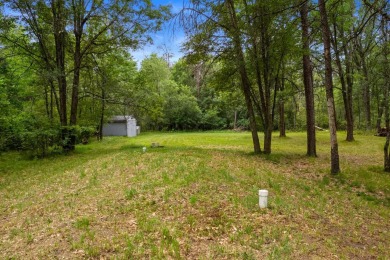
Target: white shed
{"points": [[121, 126]]}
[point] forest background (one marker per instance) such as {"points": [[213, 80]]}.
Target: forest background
{"points": [[66, 67]]}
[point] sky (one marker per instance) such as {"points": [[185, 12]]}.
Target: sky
{"points": [[168, 39]]}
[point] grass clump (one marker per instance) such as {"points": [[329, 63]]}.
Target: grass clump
{"points": [[130, 193], [82, 223]]}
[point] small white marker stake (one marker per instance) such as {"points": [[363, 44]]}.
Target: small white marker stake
{"points": [[144, 149], [263, 197]]}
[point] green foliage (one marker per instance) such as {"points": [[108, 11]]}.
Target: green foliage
{"points": [[38, 142], [167, 104], [85, 133], [26, 132], [80, 134], [36, 136], [201, 91], [181, 110], [181, 73], [211, 120]]}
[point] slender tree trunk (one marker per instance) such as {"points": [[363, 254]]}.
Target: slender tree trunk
{"points": [[366, 94], [365, 85], [308, 83], [380, 114], [385, 71], [78, 32], [349, 88], [386, 77], [335, 165], [103, 107], [282, 123], [235, 119], [343, 60], [198, 78], [244, 75], [51, 104], [55, 96], [387, 114], [386, 154], [47, 102], [59, 39], [76, 82], [267, 114], [346, 95]]}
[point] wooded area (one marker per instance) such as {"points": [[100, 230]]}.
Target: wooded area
{"points": [[66, 67]]}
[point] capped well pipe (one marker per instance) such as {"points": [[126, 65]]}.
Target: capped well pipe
{"points": [[263, 198]]}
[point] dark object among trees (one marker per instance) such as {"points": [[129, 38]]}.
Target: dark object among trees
{"points": [[382, 132]]}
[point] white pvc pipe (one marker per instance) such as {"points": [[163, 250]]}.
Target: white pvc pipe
{"points": [[263, 197], [144, 149]]}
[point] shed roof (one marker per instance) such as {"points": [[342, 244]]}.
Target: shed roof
{"points": [[120, 119]]}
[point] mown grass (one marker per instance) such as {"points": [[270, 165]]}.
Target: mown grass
{"points": [[196, 198]]}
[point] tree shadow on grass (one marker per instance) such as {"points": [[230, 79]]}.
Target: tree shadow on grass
{"points": [[131, 147], [279, 157]]}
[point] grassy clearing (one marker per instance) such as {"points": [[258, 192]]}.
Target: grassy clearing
{"points": [[196, 198]]}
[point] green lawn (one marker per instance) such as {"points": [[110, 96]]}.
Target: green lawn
{"points": [[196, 198]]}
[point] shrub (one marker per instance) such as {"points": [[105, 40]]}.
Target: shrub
{"points": [[38, 142], [211, 120]]}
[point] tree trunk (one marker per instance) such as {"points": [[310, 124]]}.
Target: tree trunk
{"points": [[386, 66], [267, 138], [386, 92], [386, 154], [282, 123], [243, 75], [308, 83], [366, 94], [100, 134], [59, 40], [267, 113], [335, 165], [381, 108], [51, 104], [78, 32], [345, 90], [349, 88], [53, 95], [76, 82], [365, 86], [59, 22], [235, 119], [198, 78], [47, 104]]}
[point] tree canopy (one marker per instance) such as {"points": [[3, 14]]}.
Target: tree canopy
{"points": [[66, 67]]}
